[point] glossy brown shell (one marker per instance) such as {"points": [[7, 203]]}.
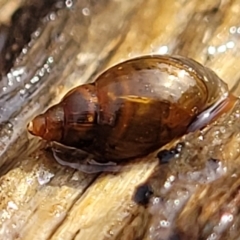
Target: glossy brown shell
{"points": [[132, 108]]}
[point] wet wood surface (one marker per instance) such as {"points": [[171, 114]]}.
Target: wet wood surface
{"points": [[194, 197]]}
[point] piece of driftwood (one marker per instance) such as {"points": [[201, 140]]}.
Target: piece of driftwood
{"points": [[195, 196]]}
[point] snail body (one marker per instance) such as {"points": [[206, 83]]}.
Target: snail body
{"points": [[134, 107]]}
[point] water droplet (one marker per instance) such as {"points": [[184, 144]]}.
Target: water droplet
{"points": [[37, 33], [163, 50], [226, 218], [18, 71], [211, 50], [176, 202], [222, 48], [230, 44], [22, 92], [52, 16], [12, 205], [35, 79], [41, 72], [213, 236], [27, 86], [111, 233], [233, 29], [50, 60], [24, 50], [44, 176], [68, 3], [164, 223], [14, 225], [222, 129], [86, 11], [156, 200]]}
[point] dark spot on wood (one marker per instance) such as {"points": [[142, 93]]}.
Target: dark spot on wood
{"points": [[165, 155], [143, 194]]}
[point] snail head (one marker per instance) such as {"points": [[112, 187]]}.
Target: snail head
{"points": [[48, 125]]}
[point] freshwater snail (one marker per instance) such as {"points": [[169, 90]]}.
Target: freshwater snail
{"points": [[135, 107]]}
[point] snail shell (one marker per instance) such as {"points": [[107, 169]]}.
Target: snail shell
{"points": [[134, 107]]}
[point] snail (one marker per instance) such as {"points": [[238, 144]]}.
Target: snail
{"points": [[135, 107]]}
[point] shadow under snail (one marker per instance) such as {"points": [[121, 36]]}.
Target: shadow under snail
{"points": [[135, 107]]}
